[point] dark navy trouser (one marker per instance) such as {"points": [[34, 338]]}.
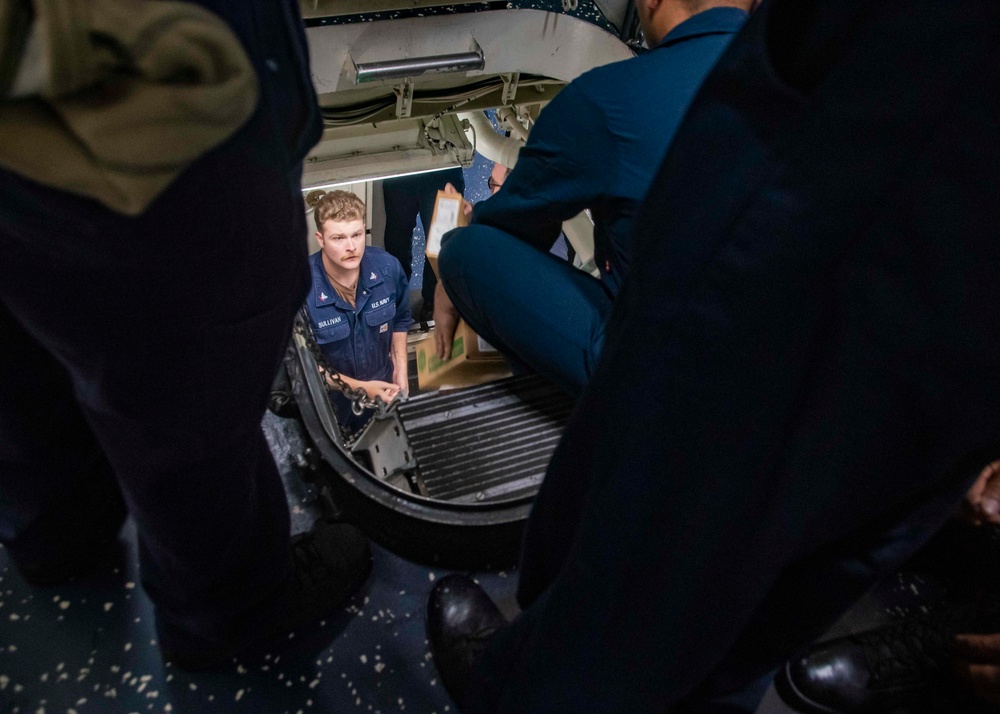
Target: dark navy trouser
{"points": [[137, 355], [539, 310], [799, 377], [405, 197]]}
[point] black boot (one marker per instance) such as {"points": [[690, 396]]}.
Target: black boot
{"points": [[460, 620], [902, 665]]}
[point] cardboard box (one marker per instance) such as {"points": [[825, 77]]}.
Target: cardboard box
{"points": [[473, 361], [448, 214]]}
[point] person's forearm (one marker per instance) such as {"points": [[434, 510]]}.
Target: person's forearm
{"points": [[445, 322], [372, 388], [560, 171], [399, 359], [528, 218], [349, 381]]}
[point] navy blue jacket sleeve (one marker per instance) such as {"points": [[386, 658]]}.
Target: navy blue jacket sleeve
{"points": [[403, 319], [567, 162]]}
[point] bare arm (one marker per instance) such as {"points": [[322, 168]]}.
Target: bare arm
{"points": [[446, 319], [400, 368], [373, 388], [982, 502]]}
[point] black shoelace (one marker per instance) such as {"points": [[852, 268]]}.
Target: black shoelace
{"points": [[920, 649]]}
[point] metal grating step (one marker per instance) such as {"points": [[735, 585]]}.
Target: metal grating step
{"points": [[486, 443]]}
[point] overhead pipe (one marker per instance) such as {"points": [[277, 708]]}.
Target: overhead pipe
{"points": [[494, 146], [507, 118], [412, 67]]}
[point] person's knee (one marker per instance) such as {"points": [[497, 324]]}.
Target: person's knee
{"points": [[465, 250]]}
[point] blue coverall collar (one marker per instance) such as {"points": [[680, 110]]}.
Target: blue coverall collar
{"points": [[713, 21], [324, 294]]}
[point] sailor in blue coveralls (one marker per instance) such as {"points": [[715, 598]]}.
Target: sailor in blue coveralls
{"points": [[597, 145], [358, 307]]}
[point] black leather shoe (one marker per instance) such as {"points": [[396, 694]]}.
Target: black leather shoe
{"points": [[461, 618], [905, 664], [329, 563]]}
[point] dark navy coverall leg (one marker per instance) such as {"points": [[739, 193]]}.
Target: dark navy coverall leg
{"points": [[596, 146], [799, 381], [543, 308], [137, 355]]}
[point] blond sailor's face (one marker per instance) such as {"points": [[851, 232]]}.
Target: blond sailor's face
{"points": [[342, 243]]}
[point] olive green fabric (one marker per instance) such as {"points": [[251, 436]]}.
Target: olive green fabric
{"points": [[15, 23], [135, 91]]}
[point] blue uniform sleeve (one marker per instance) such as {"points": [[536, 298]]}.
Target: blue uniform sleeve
{"points": [[567, 163], [403, 319]]}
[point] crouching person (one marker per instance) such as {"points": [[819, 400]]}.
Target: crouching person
{"points": [[358, 307]]}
